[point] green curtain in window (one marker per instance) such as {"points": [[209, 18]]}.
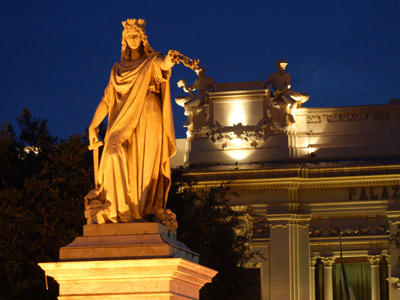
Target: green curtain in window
{"points": [[359, 277], [319, 281]]}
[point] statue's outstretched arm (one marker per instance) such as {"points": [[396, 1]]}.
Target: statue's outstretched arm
{"points": [[99, 115], [175, 57], [169, 60]]}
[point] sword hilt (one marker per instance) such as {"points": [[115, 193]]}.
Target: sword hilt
{"points": [[95, 145]]}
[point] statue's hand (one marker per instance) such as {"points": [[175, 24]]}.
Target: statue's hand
{"points": [[93, 135], [174, 56]]}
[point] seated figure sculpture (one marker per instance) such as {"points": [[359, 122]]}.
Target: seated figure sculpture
{"points": [[281, 82], [203, 85]]}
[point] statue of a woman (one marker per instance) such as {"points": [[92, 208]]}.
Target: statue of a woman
{"points": [[134, 173]]}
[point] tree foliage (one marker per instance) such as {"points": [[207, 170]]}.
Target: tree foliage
{"points": [[42, 184], [395, 237], [208, 226]]}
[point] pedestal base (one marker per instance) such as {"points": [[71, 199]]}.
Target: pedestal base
{"points": [[128, 261], [166, 278], [126, 241]]}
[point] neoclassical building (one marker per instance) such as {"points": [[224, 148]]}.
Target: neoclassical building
{"points": [[334, 170]]}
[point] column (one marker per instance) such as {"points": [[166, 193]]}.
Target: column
{"points": [[313, 261], [375, 289], [328, 279]]}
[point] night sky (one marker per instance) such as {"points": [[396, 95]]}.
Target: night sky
{"points": [[56, 56]]}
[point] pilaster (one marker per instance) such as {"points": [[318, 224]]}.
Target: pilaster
{"points": [[289, 256]]}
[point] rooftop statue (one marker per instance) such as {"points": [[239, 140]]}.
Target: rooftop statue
{"points": [[133, 179], [282, 83], [202, 85]]}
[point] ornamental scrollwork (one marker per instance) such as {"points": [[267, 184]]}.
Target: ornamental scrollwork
{"points": [[237, 132], [260, 228]]}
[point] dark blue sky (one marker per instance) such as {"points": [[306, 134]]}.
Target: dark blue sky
{"points": [[56, 56]]}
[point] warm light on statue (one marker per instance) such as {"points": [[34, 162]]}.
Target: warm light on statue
{"points": [[132, 184]]}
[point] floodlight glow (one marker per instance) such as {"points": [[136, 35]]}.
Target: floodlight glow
{"points": [[236, 115], [237, 154], [236, 142]]}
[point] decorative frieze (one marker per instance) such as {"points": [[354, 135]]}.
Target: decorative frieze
{"points": [[358, 231], [246, 136]]}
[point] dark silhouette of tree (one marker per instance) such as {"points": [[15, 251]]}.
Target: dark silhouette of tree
{"points": [[42, 185]]}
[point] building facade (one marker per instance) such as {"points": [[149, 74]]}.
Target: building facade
{"points": [[334, 171]]}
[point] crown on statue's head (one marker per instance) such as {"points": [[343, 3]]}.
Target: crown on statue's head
{"points": [[133, 23]]}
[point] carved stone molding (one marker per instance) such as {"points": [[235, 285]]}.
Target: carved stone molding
{"points": [[382, 229], [328, 261], [286, 220], [374, 259], [314, 232], [358, 231], [279, 226], [395, 282], [260, 227], [313, 262]]}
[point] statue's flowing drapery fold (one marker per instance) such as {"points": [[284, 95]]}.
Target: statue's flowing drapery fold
{"points": [[134, 172]]}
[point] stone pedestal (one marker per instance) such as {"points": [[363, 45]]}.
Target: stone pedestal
{"points": [[128, 261], [155, 279], [126, 241]]}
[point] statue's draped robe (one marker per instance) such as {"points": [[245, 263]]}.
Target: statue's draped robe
{"points": [[134, 172]]}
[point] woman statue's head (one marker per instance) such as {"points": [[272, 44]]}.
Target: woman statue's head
{"points": [[134, 38]]}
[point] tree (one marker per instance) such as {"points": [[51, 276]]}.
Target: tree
{"points": [[208, 226], [42, 185]]}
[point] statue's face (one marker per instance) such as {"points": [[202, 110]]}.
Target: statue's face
{"points": [[283, 66], [200, 72], [133, 39]]}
